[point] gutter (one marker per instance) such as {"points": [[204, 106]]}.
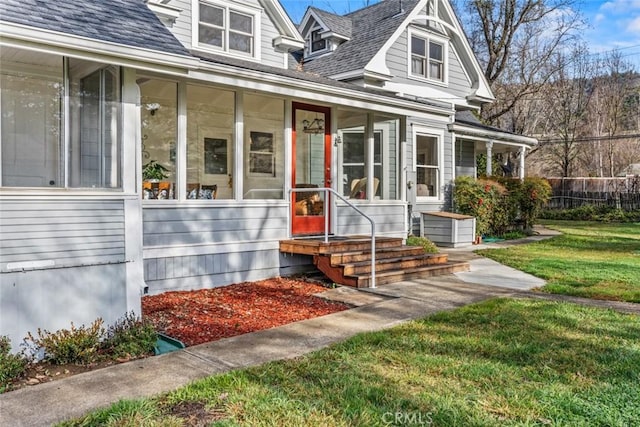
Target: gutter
{"points": [[21, 36], [491, 134]]}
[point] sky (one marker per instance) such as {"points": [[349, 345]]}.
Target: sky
{"points": [[611, 24]]}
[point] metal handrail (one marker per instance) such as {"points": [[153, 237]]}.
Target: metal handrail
{"points": [[326, 221]]}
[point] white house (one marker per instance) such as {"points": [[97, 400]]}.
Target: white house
{"points": [[238, 105]]}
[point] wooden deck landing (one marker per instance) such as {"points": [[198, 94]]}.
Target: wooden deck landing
{"points": [[346, 260]]}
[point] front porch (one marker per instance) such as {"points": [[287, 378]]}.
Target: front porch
{"points": [[346, 260]]}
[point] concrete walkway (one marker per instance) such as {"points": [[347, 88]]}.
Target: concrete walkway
{"points": [[385, 307], [376, 309]]}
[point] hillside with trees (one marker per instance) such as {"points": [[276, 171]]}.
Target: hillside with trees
{"points": [[583, 108]]}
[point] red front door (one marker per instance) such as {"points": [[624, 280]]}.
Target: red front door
{"points": [[311, 167]]}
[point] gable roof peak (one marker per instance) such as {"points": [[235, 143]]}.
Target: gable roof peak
{"points": [[331, 22]]}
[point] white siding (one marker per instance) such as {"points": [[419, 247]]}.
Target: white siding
{"points": [[66, 232]]}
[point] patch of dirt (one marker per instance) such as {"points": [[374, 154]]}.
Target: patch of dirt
{"points": [[195, 414], [44, 372], [196, 317]]}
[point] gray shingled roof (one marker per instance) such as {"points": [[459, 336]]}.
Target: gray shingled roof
{"points": [[300, 75], [469, 119], [125, 22], [338, 24], [372, 27]]}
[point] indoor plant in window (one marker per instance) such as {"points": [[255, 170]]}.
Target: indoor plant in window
{"points": [[154, 171]]}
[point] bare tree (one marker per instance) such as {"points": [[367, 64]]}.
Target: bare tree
{"points": [[569, 92], [515, 42], [609, 108]]}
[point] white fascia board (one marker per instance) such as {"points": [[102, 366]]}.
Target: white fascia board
{"points": [[164, 10], [281, 19], [378, 64], [349, 75], [22, 36], [426, 92], [377, 76], [331, 34], [309, 14], [313, 91], [288, 43], [483, 91], [489, 135]]}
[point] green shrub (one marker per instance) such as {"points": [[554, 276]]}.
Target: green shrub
{"points": [[428, 246], [592, 213], [130, 336], [483, 199], [77, 345], [12, 366], [532, 195]]}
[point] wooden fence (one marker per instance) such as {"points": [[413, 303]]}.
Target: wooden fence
{"points": [[622, 192]]}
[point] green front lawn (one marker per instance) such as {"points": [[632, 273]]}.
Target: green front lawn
{"points": [[593, 260], [500, 362]]}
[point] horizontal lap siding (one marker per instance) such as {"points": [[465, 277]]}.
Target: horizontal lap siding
{"points": [[69, 233], [389, 220], [209, 246], [213, 225], [208, 271]]}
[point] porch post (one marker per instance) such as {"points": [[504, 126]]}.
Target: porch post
{"points": [[132, 185], [489, 146], [369, 155], [522, 151]]}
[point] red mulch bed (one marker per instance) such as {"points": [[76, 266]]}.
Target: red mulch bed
{"points": [[196, 317]]}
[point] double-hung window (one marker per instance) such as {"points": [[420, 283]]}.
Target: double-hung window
{"points": [[227, 29], [428, 163], [428, 58], [317, 42]]}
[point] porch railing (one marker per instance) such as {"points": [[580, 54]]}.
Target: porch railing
{"points": [[325, 211]]}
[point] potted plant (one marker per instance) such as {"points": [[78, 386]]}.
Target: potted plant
{"points": [[154, 171]]}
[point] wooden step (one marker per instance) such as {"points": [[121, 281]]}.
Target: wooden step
{"points": [[401, 263], [383, 253], [317, 246], [347, 260], [364, 281]]}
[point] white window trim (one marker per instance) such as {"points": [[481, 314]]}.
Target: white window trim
{"points": [[255, 13], [427, 36], [383, 129], [439, 135], [65, 172], [309, 42]]}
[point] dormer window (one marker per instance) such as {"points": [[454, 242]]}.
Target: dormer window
{"points": [[317, 42], [224, 28], [428, 57]]}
